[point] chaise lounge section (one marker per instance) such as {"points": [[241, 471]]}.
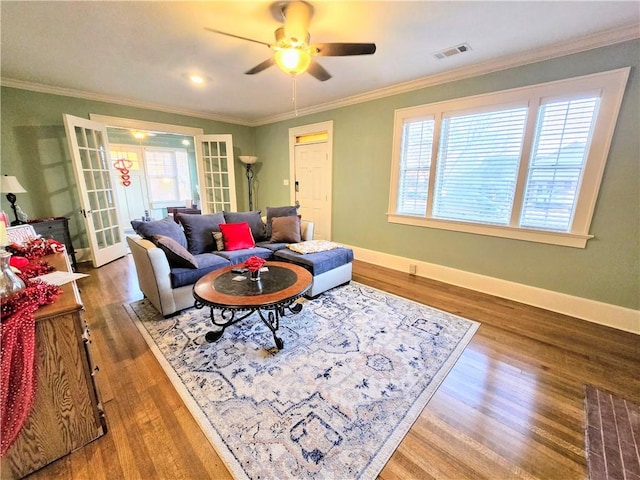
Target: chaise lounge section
{"points": [[170, 256]]}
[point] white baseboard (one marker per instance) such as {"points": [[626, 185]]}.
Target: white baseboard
{"points": [[614, 316]]}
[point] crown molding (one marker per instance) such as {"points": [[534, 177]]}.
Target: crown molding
{"points": [[601, 39], [99, 97], [590, 42]]}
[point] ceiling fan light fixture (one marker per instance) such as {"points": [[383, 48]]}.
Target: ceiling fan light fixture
{"points": [[293, 61], [197, 79]]}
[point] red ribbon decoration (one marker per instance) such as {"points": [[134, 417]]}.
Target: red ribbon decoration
{"points": [[17, 340]]}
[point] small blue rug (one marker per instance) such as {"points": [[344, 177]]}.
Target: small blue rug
{"points": [[357, 368]]}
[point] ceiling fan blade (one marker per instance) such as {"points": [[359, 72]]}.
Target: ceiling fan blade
{"points": [[238, 36], [342, 49], [318, 71], [261, 66]]}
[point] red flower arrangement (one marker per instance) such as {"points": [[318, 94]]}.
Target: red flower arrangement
{"points": [[254, 263]]}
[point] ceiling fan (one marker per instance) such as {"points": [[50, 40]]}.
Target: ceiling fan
{"points": [[293, 53]]}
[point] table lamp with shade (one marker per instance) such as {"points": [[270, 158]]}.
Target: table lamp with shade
{"points": [[10, 185], [249, 160]]}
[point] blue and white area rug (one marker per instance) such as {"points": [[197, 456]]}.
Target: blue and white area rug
{"points": [[357, 368]]}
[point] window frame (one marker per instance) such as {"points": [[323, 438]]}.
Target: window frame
{"points": [[179, 179], [610, 85]]}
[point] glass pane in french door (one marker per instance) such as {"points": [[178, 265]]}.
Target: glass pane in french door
{"points": [[215, 173], [88, 146]]}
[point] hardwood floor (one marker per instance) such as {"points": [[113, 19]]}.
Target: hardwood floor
{"points": [[512, 407]]}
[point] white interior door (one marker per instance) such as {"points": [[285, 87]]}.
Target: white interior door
{"points": [[216, 174], [313, 186], [89, 148]]}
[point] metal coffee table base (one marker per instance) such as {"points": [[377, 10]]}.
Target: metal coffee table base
{"points": [[269, 314]]}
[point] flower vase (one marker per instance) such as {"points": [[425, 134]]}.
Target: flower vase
{"points": [[10, 283], [254, 275]]}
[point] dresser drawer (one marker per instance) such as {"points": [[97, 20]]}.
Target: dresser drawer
{"points": [[56, 229]]}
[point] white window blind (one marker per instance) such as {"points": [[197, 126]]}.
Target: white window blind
{"points": [[557, 163], [417, 144], [478, 163]]}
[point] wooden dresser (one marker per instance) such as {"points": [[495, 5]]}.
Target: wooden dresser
{"points": [[58, 229], [66, 413]]}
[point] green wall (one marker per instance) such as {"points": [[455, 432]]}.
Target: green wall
{"points": [[34, 149], [608, 270]]}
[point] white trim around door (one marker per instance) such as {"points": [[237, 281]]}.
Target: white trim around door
{"points": [[304, 134]]}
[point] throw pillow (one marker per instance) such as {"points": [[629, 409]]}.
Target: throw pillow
{"points": [[237, 236], [177, 255], [198, 228], [254, 220], [217, 237], [274, 212], [285, 230], [166, 227]]}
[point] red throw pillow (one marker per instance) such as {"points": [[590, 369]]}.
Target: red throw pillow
{"points": [[237, 236]]}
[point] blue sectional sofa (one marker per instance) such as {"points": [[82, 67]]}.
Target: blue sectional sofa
{"points": [[170, 255]]}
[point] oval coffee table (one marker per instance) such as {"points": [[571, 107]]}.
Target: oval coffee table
{"points": [[235, 297]]}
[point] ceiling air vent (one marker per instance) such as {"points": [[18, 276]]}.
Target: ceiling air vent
{"points": [[449, 52]]}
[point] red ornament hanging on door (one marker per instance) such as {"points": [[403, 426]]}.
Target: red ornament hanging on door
{"points": [[123, 165]]}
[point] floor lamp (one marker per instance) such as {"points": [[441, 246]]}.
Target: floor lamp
{"points": [[249, 160], [11, 186]]}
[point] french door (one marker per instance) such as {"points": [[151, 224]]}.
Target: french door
{"points": [[216, 174], [89, 148]]}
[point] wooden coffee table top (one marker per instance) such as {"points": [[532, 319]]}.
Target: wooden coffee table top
{"points": [[282, 282]]}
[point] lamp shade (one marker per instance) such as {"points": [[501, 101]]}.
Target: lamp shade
{"points": [[11, 184], [248, 159]]}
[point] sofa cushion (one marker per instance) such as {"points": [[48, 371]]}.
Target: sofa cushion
{"points": [[274, 247], [198, 228], [177, 255], [207, 262], [285, 229], [317, 263], [166, 227], [273, 212], [254, 220], [237, 236], [239, 256]]}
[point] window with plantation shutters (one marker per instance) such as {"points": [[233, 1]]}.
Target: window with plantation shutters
{"points": [[417, 143], [524, 163], [557, 163], [477, 168]]}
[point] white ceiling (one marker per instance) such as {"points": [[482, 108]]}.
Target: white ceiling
{"points": [[139, 53]]}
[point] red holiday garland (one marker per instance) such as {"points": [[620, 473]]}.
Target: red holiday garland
{"points": [[17, 339]]}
